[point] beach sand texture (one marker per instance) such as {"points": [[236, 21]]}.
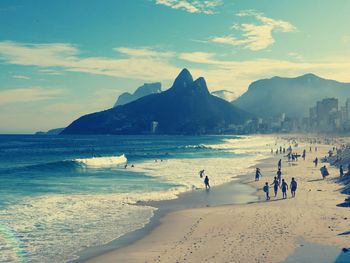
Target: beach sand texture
{"points": [[256, 232]]}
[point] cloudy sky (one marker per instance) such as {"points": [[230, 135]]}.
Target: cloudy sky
{"points": [[62, 59]]}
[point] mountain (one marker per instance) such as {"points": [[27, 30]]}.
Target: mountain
{"points": [[186, 108], [225, 95], [144, 90], [293, 96], [50, 132]]}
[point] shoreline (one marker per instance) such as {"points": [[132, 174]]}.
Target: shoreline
{"points": [[220, 195], [248, 232]]}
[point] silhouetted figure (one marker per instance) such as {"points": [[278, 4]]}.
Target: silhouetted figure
{"points": [[284, 150], [316, 162], [257, 174], [324, 172], [201, 173], [266, 189], [279, 164], [275, 184], [293, 187], [279, 173], [341, 171], [284, 187], [206, 182], [304, 154]]}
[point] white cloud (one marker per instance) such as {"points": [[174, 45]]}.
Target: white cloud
{"points": [[255, 36], [20, 77], [192, 6], [136, 65], [237, 75], [23, 95]]}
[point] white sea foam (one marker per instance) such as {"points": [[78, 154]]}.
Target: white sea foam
{"points": [[99, 162], [54, 228]]}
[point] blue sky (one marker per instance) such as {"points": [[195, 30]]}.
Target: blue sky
{"points": [[62, 59]]}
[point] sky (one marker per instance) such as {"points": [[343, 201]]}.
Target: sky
{"points": [[62, 59]]}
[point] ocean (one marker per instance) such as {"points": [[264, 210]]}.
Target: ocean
{"points": [[62, 194]]}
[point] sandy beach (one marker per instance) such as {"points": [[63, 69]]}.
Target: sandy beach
{"points": [[262, 231]]}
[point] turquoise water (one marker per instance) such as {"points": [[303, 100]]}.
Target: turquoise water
{"points": [[62, 194]]}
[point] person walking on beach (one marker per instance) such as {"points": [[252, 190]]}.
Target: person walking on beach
{"points": [[275, 184], [293, 187], [341, 171], [304, 154], [266, 189], [284, 187], [324, 172], [279, 175], [316, 161], [257, 174], [206, 182], [279, 164]]}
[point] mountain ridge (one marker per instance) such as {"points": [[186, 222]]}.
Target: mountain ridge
{"points": [[185, 108]]}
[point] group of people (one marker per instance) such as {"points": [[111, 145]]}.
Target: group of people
{"points": [[278, 182]]}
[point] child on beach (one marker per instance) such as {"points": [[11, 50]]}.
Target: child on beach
{"points": [[293, 187], [266, 190], [275, 184], [324, 172], [284, 187]]}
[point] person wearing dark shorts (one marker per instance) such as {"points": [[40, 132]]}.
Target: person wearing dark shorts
{"points": [[275, 184], [284, 187], [293, 187]]}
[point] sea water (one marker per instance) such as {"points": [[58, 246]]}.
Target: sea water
{"points": [[62, 194]]}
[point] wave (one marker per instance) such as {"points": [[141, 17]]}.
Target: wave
{"points": [[97, 162], [72, 164]]}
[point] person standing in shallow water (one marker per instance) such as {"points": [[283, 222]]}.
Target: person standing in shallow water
{"points": [[257, 174], [284, 187], [206, 182], [293, 187]]}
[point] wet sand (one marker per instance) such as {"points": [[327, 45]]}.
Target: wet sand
{"points": [[256, 232]]}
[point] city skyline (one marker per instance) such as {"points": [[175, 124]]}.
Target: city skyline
{"points": [[62, 59]]}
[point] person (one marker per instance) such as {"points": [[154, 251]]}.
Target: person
{"points": [[293, 187], [284, 187], [284, 150], [201, 173], [316, 161], [257, 174], [279, 164], [341, 171], [280, 149], [304, 154], [275, 184], [206, 182], [279, 173], [324, 172], [266, 190]]}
